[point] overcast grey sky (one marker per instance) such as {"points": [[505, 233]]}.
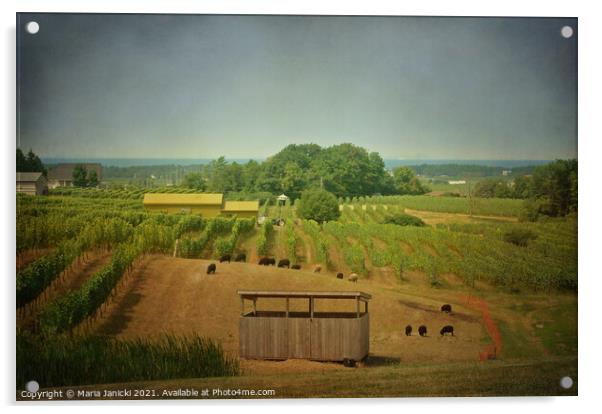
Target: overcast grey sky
{"points": [[163, 86]]}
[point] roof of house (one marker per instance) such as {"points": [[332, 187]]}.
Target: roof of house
{"points": [[241, 206], [29, 176], [250, 294], [183, 199], [65, 171]]}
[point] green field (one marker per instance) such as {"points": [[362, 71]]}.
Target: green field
{"points": [[530, 290]]}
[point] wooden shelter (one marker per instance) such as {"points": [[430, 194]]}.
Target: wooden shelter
{"points": [[310, 334]]}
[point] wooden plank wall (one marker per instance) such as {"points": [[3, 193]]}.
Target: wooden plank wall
{"points": [[323, 339]]}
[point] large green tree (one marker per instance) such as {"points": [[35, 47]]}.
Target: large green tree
{"points": [[319, 205], [194, 180], [406, 182], [555, 186], [347, 170]]}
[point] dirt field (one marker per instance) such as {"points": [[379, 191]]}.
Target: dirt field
{"points": [[433, 218], [175, 295]]}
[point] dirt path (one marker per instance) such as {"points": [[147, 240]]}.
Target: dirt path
{"points": [[433, 218], [492, 351]]}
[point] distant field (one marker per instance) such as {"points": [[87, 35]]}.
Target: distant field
{"points": [[463, 205]]}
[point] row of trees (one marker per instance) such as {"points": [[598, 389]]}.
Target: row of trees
{"points": [[344, 170], [29, 163], [551, 190]]}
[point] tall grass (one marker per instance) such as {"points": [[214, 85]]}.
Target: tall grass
{"points": [[63, 360]]}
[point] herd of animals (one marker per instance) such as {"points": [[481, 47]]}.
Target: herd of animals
{"points": [[270, 261], [353, 277], [447, 329]]}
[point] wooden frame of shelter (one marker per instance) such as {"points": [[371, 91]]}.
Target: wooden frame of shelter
{"points": [[321, 336]]}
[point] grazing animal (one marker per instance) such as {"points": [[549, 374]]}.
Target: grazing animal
{"points": [[446, 308], [271, 261], [241, 257], [284, 263], [211, 269], [264, 261], [317, 269], [409, 330], [349, 363], [352, 277], [447, 329], [339, 275], [225, 258], [422, 330], [296, 267]]}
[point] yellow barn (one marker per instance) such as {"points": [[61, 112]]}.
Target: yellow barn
{"points": [[241, 208], [208, 205]]}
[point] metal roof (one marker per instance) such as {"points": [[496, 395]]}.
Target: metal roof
{"points": [[28, 176], [241, 206], [182, 199], [64, 172], [303, 294]]}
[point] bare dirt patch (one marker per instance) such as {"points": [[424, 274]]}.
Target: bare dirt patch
{"points": [[433, 218], [175, 295]]}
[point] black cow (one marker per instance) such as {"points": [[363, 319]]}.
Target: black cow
{"points": [[447, 329], [265, 261], [272, 261], [284, 263], [225, 258], [409, 330], [241, 257], [296, 267], [211, 269], [446, 308], [422, 330], [340, 275]]}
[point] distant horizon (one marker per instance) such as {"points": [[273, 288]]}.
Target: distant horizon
{"points": [[389, 162]]}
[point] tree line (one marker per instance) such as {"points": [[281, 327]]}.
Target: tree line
{"points": [[346, 170], [551, 189], [468, 170], [30, 162]]}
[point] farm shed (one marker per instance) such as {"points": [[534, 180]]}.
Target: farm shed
{"points": [[311, 334], [208, 205], [62, 174], [32, 183], [241, 208]]}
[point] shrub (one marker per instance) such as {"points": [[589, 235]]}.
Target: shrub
{"points": [[519, 237], [402, 219]]}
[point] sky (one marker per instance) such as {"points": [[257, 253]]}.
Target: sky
{"points": [[201, 86]]}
